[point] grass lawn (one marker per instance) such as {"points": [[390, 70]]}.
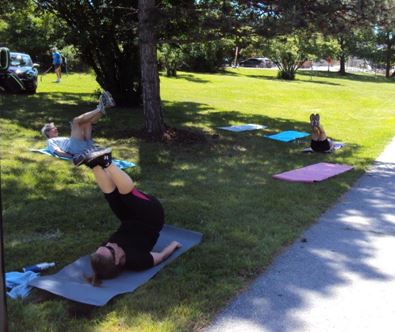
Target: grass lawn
{"points": [[53, 211]]}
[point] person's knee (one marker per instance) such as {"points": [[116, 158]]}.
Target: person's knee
{"points": [[75, 122]]}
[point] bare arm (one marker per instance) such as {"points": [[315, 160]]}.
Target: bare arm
{"points": [[166, 252], [61, 153]]}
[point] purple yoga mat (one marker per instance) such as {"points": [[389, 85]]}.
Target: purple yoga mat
{"points": [[313, 173]]}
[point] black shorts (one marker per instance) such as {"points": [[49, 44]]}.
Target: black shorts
{"points": [[320, 146], [137, 206], [57, 66]]}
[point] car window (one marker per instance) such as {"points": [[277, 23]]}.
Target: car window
{"points": [[20, 60]]}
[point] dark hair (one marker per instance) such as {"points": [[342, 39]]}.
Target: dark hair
{"points": [[103, 268]]}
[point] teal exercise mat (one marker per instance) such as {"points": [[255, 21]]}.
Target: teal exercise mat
{"points": [[122, 164], [287, 136], [70, 282], [244, 127]]}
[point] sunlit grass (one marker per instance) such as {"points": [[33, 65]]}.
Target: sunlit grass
{"points": [[53, 211]]}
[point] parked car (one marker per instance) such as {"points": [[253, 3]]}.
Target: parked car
{"points": [[18, 73], [256, 63]]}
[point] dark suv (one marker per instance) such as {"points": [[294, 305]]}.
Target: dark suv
{"points": [[18, 73], [256, 63]]}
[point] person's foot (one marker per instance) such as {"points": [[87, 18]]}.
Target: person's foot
{"points": [[100, 105], [317, 120], [101, 160], [108, 100], [89, 155], [312, 119]]}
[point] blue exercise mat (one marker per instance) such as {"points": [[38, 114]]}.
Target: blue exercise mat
{"points": [[122, 164], [71, 284], [287, 136], [245, 127]]}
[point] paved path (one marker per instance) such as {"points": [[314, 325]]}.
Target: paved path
{"points": [[342, 279]]}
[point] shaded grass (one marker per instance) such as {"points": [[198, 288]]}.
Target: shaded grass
{"points": [[224, 189]]}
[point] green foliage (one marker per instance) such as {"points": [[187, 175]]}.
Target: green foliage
{"points": [[27, 30], [206, 56], [170, 58], [289, 52], [105, 34], [224, 189], [74, 63]]}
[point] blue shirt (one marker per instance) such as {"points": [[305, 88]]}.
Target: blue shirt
{"points": [[56, 58]]}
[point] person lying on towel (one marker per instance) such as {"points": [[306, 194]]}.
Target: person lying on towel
{"points": [[141, 216], [80, 139], [319, 141]]}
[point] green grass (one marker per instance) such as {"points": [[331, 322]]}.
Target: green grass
{"points": [[53, 211]]}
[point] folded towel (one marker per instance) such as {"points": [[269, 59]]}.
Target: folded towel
{"points": [[17, 283], [122, 164]]}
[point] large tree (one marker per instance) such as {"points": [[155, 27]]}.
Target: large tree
{"points": [[106, 33], [23, 30], [114, 36], [385, 30]]}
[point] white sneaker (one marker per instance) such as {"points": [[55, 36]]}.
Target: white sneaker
{"points": [[108, 100], [100, 105]]}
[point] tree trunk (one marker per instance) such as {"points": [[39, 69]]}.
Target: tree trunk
{"points": [[342, 70], [236, 56], [388, 56], [342, 55], [153, 114]]}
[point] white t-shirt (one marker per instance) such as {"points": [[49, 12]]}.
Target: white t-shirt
{"points": [[58, 142]]}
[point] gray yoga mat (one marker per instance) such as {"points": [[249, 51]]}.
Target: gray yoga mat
{"points": [[70, 282]]}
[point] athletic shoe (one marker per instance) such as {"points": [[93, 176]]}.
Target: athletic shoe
{"points": [[108, 100], [312, 118], [103, 161], [96, 152], [100, 105], [90, 154], [79, 159], [317, 120]]}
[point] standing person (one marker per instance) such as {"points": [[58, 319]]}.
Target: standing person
{"points": [[319, 141], [80, 139], [142, 219], [57, 64]]}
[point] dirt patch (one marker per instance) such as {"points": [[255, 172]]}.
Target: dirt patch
{"points": [[182, 136], [170, 136]]}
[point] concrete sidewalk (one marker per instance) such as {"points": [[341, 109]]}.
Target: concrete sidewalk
{"points": [[339, 276]]}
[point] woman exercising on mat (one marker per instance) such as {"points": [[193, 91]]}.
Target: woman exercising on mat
{"points": [[141, 216], [319, 141]]}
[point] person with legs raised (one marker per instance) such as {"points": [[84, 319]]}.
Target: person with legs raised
{"points": [[141, 216]]}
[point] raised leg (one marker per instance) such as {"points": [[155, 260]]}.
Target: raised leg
{"points": [[104, 180], [122, 180], [82, 124]]}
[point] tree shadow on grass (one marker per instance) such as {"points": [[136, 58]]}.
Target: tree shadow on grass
{"points": [[32, 111], [348, 76], [337, 254], [296, 81], [190, 78], [223, 189]]}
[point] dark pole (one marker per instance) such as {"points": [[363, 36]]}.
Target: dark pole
{"points": [[3, 307]]}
